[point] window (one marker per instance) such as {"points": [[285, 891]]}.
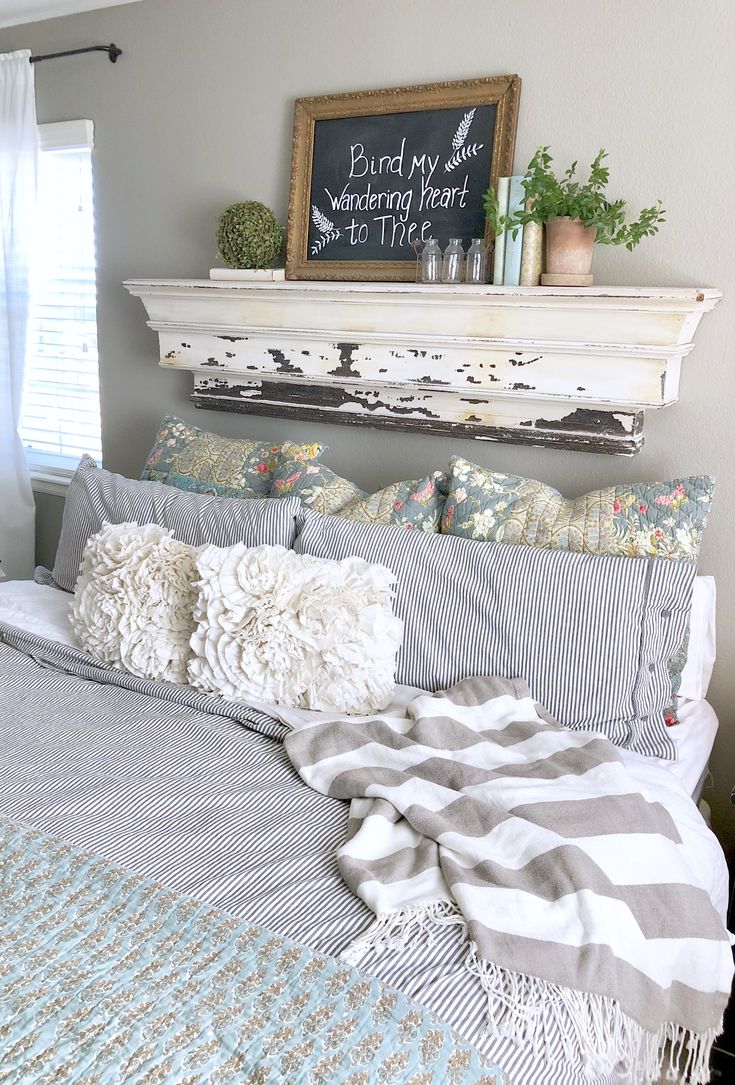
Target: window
{"points": [[61, 413]]}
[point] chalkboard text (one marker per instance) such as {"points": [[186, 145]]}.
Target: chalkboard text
{"points": [[381, 184]]}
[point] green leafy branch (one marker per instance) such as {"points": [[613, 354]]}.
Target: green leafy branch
{"points": [[548, 197]]}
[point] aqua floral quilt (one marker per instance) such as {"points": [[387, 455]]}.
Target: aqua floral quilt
{"points": [[107, 978]]}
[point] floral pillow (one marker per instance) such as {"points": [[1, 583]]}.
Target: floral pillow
{"points": [[415, 504], [134, 600], [290, 629], [317, 485], [661, 519], [192, 459]]}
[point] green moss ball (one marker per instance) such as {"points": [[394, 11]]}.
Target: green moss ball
{"points": [[249, 235]]}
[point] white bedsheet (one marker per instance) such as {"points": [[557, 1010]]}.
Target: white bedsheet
{"points": [[45, 611], [37, 609]]}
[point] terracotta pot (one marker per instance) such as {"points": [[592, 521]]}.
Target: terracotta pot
{"points": [[569, 246]]}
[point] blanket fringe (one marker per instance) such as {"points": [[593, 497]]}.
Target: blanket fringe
{"points": [[596, 1035], [395, 930]]}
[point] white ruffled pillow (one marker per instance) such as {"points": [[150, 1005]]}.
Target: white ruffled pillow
{"points": [[134, 600], [291, 629]]}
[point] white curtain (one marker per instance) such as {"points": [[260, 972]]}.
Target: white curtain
{"points": [[18, 170]]}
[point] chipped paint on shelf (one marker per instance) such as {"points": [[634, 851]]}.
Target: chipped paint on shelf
{"points": [[571, 368]]}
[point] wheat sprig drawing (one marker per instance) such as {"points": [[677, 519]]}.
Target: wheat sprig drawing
{"points": [[462, 155], [464, 126], [325, 227], [459, 139]]}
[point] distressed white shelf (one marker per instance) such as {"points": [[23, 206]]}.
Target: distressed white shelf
{"points": [[571, 368]]}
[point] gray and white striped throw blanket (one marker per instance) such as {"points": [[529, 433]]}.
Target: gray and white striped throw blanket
{"points": [[572, 885]]}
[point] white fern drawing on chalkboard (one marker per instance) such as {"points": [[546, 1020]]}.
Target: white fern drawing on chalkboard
{"points": [[464, 126], [462, 150], [325, 227]]}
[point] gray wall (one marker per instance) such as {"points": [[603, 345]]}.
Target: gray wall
{"points": [[197, 113], [49, 510]]}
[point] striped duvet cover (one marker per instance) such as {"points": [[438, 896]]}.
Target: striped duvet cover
{"points": [[200, 796]]}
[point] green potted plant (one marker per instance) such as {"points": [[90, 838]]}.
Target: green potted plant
{"points": [[576, 216]]}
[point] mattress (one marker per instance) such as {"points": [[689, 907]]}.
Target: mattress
{"points": [[44, 611], [215, 810]]}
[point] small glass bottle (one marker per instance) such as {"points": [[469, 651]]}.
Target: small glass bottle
{"points": [[452, 265], [431, 262], [476, 271]]}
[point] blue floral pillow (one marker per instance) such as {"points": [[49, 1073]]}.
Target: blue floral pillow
{"points": [[415, 504], [192, 459], [318, 486], [660, 519]]}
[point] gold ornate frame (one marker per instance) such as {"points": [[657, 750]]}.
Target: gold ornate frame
{"points": [[500, 90]]}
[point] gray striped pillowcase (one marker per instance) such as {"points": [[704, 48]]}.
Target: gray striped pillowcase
{"points": [[591, 634], [96, 495]]}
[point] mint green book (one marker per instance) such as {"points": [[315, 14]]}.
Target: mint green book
{"points": [[499, 260], [514, 245]]}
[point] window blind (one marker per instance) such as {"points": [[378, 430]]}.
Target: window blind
{"points": [[61, 414]]}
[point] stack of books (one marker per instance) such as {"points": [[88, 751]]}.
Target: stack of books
{"points": [[517, 259]]}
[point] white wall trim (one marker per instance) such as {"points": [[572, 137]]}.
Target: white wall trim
{"points": [[19, 12], [66, 135], [54, 482]]}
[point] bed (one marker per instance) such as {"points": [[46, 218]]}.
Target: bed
{"points": [[40, 610], [205, 802], [200, 885]]}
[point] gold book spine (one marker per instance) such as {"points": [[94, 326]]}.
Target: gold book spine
{"points": [[532, 254]]}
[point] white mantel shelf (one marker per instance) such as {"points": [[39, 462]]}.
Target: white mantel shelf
{"points": [[568, 368]]}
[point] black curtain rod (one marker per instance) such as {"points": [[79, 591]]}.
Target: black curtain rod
{"points": [[112, 51]]}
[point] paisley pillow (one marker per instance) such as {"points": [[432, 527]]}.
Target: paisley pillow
{"points": [[283, 628], [192, 459], [415, 504], [134, 600]]}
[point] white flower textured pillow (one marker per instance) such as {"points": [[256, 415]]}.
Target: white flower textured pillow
{"points": [[134, 600], [291, 629]]}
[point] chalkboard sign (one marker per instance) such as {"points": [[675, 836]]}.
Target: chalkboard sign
{"points": [[377, 173]]}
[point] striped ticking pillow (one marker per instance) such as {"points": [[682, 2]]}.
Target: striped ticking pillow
{"points": [[591, 634], [96, 495], [646, 519]]}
